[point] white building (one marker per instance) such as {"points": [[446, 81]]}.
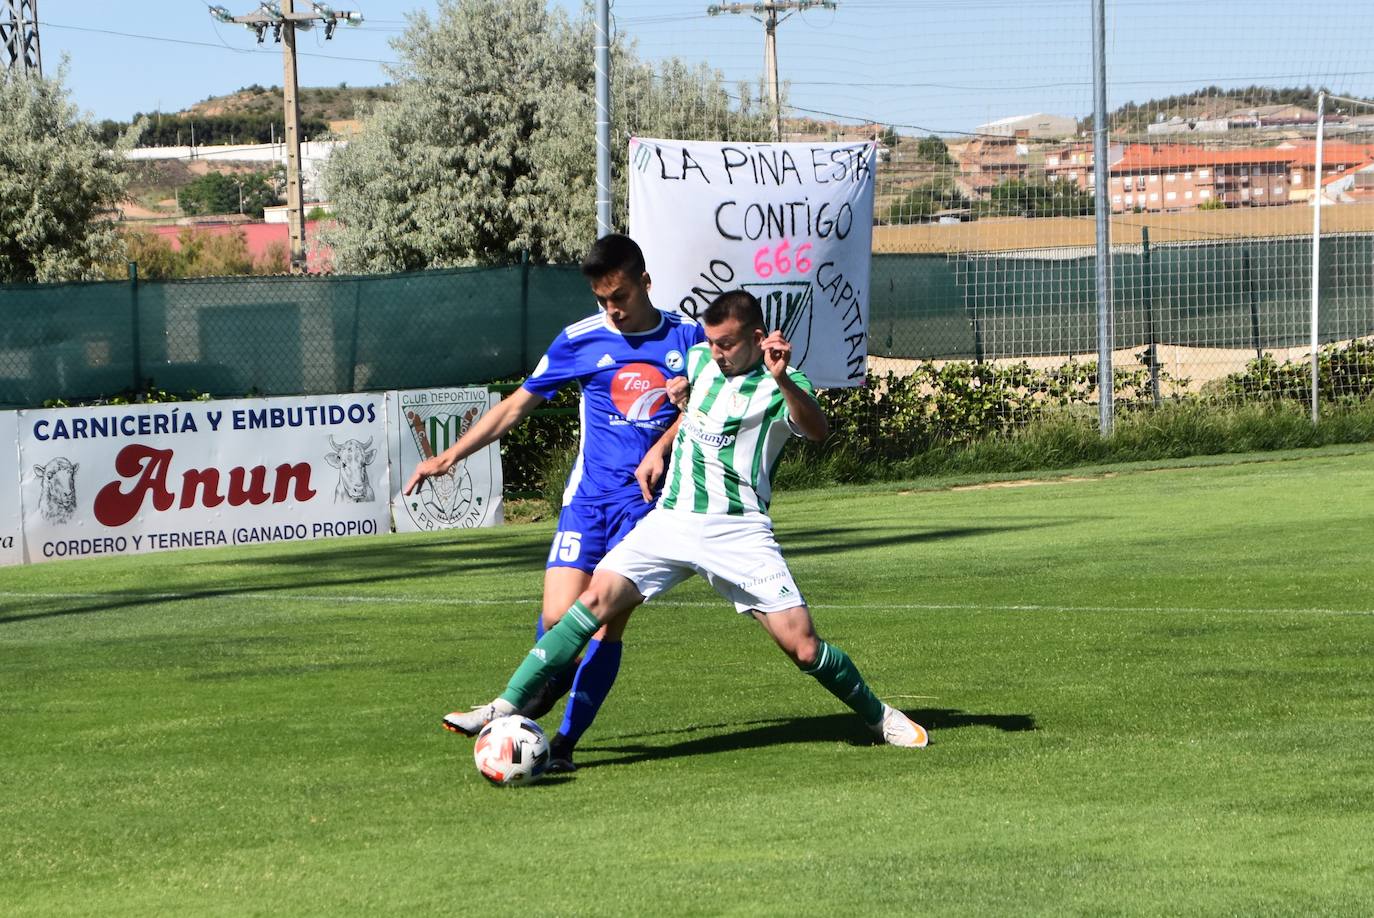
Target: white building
{"points": [[313, 156], [1036, 126]]}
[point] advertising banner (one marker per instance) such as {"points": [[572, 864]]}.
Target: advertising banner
{"points": [[128, 479], [423, 423], [790, 222], [11, 506]]}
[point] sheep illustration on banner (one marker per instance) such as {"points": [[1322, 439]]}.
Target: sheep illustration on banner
{"points": [[790, 222]]}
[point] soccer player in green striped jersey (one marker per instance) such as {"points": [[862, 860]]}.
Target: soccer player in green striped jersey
{"points": [[744, 402]]}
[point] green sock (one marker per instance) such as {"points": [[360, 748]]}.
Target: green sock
{"points": [[841, 678], [559, 646]]}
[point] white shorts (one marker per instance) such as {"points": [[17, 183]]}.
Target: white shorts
{"points": [[737, 555]]}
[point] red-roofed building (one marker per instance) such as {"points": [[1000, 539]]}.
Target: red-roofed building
{"points": [[1171, 177]]}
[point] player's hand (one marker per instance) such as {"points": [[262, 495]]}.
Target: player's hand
{"points": [[426, 468], [650, 473], [678, 390], [777, 351]]}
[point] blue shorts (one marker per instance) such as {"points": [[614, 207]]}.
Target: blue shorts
{"points": [[587, 530]]}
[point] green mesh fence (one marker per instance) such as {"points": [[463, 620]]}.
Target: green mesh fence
{"points": [[292, 335], [281, 335], [1253, 295]]}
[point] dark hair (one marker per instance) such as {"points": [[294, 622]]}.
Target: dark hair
{"points": [[613, 253], [735, 304]]}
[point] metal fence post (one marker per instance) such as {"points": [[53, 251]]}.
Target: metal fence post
{"points": [[1152, 352], [136, 354], [524, 310], [1102, 211], [353, 341], [1252, 294]]}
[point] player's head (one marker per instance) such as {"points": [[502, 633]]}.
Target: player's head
{"points": [[735, 331], [614, 266]]}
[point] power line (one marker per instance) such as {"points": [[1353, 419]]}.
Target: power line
{"points": [[207, 44]]}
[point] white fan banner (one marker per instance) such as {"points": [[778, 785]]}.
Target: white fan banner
{"points": [[424, 423], [129, 479], [11, 507], [790, 222]]}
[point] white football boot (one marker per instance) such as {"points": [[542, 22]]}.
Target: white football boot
{"points": [[471, 722], [896, 729]]}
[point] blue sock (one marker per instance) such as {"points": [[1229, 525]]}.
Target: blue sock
{"points": [[596, 675], [538, 627]]}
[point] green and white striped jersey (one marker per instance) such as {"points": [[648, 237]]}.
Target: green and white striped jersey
{"points": [[732, 433]]}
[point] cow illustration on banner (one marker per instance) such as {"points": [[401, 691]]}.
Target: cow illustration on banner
{"points": [[790, 222], [424, 423], [351, 458]]}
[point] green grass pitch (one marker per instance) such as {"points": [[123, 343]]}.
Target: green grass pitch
{"points": [[1149, 690]]}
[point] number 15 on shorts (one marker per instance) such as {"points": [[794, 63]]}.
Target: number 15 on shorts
{"points": [[567, 547]]}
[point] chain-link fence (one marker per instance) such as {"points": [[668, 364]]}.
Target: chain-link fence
{"points": [[984, 236]]}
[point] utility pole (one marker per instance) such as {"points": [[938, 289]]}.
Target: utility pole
{"points": [[19, 35], [770, 11], [283, 20]]}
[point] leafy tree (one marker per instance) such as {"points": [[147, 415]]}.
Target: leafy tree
{"points": [[889, 137], [932, 149], [484, 153], [220, 193], [922, 203], [1021, 198], [58, 184]]}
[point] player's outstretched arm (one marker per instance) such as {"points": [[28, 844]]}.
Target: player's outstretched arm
{"points": [[655, 462], [489, 428], [805, 412]]}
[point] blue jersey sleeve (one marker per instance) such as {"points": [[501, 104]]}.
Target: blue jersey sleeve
{"points": [[694, 333], [556, 369]]}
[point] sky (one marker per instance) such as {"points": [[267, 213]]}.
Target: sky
{"points": [[930, 66]]}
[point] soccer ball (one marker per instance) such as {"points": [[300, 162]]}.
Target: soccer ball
{"points": [[511, 751]]}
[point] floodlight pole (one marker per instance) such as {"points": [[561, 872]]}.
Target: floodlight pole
{"points": [[603, 118], [1102, 212]]}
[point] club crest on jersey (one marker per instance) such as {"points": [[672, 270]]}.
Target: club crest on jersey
{"points": [[639, 391], [674, 361]]}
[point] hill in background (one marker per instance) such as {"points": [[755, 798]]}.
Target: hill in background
{"points": [[252, 115]]}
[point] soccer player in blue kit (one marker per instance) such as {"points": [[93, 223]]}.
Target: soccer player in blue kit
{"points": [[622, 357]]}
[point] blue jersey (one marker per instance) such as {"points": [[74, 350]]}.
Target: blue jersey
{"points": [[625, 407]]}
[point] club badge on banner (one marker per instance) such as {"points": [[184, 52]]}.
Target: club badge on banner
{"points": [[790, 222], [11, 506], [423, 423], [128, 479]]}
